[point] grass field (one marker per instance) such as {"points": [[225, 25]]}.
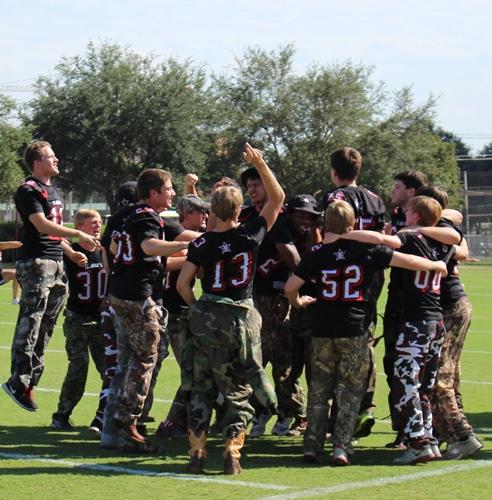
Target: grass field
{"points": [[36, 462]]}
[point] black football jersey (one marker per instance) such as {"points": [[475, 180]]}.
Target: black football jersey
{"points": [[418, 293], [114, 227], [87, 284], [343, 272], [368, 207], [136, 275], [398, 220], [33, 196], [451, 286], [229, 259]]}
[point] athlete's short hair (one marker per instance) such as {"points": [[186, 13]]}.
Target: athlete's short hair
{"points": [[346, 162], [428, 209], [83, 214], [412, 178], [226, 202], [339, 217], [435, 192], [33, 152], [151, 178]]}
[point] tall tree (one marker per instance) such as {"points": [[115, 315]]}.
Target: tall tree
{"points": [[487, 149], [12, 138], [460, 147], [111, 112]]}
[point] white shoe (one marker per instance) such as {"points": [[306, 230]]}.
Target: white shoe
{"points": [[259, 425], [413, 456], [282, 427], [462, 449], [15, 302], [436, 452]]}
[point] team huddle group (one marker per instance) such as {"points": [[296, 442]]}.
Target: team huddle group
{"points": [[288, 284]]}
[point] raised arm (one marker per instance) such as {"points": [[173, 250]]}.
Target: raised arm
{"points": [[190, 184], [273, 189]]}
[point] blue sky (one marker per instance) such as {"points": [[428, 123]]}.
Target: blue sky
{"points": [[440, 48]]}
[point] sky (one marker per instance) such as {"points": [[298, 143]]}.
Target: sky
{"points": [[438, 48]]}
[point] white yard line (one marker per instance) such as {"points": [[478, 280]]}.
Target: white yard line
{"points": [[381, 481], [138, 472]]}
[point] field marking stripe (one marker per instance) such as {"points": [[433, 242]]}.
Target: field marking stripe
{"points": [[140, 472], [381, 481], [93, 394]]}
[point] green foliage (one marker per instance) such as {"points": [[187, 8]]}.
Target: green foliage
{"points": [[111, 113], [12, 138], [487, 149]]}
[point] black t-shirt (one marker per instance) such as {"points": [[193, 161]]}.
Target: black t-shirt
{"points": [[451, 286], [229, 259], [87, 284], [114, 227], [416, 294], [343, 272], [398, 220], [136, 275], [272, 273], [368, 207], [33, 196]]}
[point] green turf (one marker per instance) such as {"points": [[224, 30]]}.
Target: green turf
{"points": [[269, 461]]}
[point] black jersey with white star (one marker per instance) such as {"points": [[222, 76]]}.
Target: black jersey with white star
{"points": [[229, 258], [33, 196], [417, 294], [87, 284], [136, 275], [343, 272], [368, 207]]}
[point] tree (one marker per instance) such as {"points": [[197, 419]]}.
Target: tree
{"points": [[111, 113], [487, 149], [12, 138], [300, 119], [461, 149]]}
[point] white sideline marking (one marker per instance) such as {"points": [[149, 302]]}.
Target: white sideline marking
{"points": [[140, 472], [94, 395], [381, 481]]}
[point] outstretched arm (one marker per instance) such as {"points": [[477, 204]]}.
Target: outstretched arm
{"points": [[446, 235], [154, 246], [416, 263], [371, 237], [10, 245], [273, 189]]}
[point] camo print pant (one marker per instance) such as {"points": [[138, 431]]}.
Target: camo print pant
{"points": [[138, 334], [450, 422], [176, 330], [82, 336], [339, 370], [417, 355], [226, 352], [276, 348], [44, 289]]}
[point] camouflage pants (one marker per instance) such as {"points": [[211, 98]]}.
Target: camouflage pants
{"points": [[276, 348], [44, 289], [450, 422], [138, 336], [226, 353], [176, 329], [417, 355], [82, 336], [339, 370]]}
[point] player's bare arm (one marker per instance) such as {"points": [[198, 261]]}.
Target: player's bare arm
{"points": [[45, 226], [289, 254], [190, 183], [291, 291], [77, 258], [154, 246], [183, 285], [175, 263], [10, 245], [446, 235], [372, 237], [416, 263], [275, 193]]}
